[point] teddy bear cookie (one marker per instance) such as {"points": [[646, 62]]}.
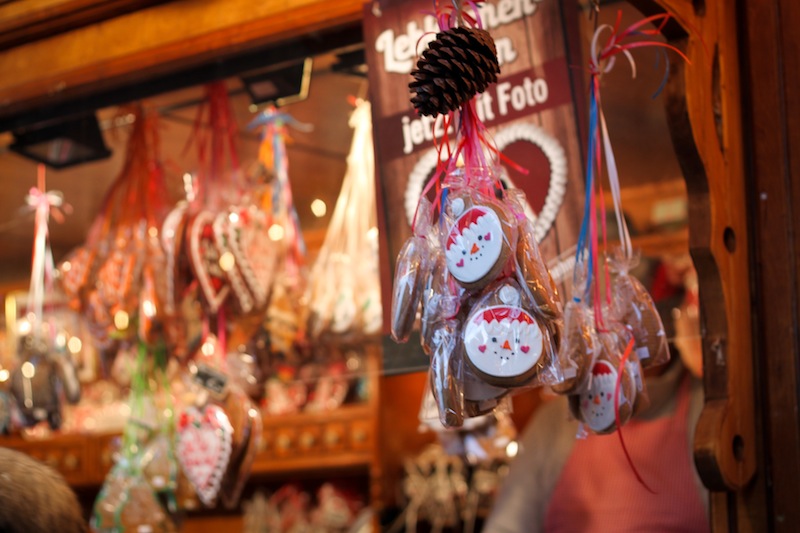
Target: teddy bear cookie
{"points": [[503, 342], [479, 240]]}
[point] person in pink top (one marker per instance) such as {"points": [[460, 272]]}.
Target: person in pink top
{"points": [[560, 484]]}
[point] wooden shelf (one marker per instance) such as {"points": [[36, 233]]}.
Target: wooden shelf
{"points": [[339, 439]]}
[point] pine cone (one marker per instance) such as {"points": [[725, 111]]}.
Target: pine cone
{"points": [[458, 64]]}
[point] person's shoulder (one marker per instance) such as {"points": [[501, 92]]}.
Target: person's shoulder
{"points": [[551, 414]]}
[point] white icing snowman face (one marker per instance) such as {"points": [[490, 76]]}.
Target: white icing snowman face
{"points": [[597, 404], [474, 242], [503, 341]]}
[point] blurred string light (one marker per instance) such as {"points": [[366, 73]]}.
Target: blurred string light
{"points": [[319, 208], [275, 232]]}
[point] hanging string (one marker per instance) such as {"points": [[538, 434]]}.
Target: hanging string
{"points": [[43, 204]]}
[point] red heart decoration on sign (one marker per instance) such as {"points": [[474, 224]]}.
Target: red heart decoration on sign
{"points": [[204, 448]]}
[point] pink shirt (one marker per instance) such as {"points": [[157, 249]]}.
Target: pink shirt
{"points": [[598, 492]]}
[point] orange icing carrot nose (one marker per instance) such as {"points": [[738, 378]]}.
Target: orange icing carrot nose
{"points": [[474, 248], [597, 399], [506, 345]]}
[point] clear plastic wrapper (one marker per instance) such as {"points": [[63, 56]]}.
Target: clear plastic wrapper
{"points": [[480, 237], [532, 272], [595, 406], [504, 344], [635, 308], [412, 268], [578, 348], [446, 374], [127, 503]]}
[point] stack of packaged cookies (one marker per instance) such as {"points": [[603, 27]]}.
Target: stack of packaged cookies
{"points": [[490, 313]]}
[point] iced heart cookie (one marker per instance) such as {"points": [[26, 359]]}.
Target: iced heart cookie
{"points": [[479, 241], [502, 341], [204, 448]]}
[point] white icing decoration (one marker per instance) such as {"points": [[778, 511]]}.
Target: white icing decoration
{"points": [[509, 295], [597, 404], [204, 449], [477, 248], [457, 206], [504, 348]]}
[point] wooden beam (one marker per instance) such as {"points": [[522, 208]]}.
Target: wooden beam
{"points": [[154, 41], [31, 20]]}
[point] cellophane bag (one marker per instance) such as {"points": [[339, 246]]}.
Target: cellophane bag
{"points": [[344, 284], [412, 269], [106, 277], [594, 406], [578, 348], [635, 308]]}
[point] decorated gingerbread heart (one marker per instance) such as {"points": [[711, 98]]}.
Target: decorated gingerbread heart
{"points": [[204, 257], [480, 239], [255, 254], [204, 448], [503, 342], [229, 263]]}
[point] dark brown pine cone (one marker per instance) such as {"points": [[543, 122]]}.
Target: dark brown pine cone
{"points": [[458, 64]]}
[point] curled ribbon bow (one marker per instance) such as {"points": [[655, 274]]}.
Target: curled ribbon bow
{"points": [[43, 203]]}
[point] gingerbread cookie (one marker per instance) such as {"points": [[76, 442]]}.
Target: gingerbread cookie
{"points": [[639, 313], [411, 270], [576, 352], [503, 342], [532, 271], [480, 239], [595, 406]]}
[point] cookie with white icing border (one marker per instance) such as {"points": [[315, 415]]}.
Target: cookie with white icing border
{"points": [[504, 344], [480, 239], [595, 406]]}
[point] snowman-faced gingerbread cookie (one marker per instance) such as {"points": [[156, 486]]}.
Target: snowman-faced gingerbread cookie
{"points": [[595, 406], [502, 341], [478, 241]]}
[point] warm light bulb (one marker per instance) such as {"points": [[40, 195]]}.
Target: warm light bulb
{"points": [[148, 308], [275, 232], [28, 370], [512, 448], [121, 320], [74, 345], [234, 218], [4, 375], [319, 208]]}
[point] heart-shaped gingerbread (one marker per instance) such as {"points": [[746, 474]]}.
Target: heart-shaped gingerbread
{"points": [[230, 264], [255, 255], [204, 448], [204, 259]]}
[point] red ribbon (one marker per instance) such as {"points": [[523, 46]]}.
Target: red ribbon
{"points": [[617, 389]]}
